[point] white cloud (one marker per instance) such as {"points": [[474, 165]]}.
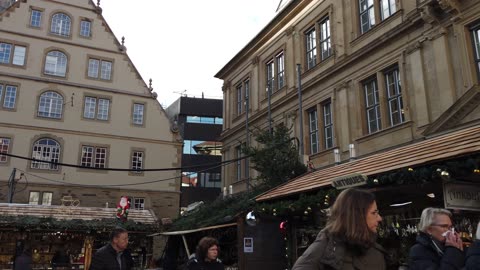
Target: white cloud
{"points": [[182, 44]]}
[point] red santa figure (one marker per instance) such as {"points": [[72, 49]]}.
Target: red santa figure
{"points": [[122, 208]]}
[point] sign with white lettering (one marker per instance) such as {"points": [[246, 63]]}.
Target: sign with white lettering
{"points": [[351, 180], [461, 196]]}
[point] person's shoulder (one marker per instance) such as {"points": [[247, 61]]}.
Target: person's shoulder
{"points": [[104, 249]]}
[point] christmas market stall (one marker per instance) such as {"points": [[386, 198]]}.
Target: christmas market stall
{"points": [[441, 171], [76, 232]]}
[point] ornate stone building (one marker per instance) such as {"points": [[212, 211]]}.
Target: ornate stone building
{"points": [[70, 95], [374, 75]]}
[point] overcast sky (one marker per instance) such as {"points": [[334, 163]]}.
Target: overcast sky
{"points": [[182, 44]]}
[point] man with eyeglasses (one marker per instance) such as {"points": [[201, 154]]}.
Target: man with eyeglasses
{"points": [[437, 246], [206, 256]]}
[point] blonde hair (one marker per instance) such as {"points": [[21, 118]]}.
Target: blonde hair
{"points": [[428, 217]]}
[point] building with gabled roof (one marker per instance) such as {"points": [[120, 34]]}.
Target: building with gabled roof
{"points": [[70, 95]]}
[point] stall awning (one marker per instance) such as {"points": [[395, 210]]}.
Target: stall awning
{"points": [[69, 212], [450, 145], [195, 230]]}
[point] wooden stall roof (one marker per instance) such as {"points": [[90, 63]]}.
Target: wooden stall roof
{"points": [[69, 212], [456, 143]]}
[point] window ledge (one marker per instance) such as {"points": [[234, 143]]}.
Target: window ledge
{"points": [[322, 152], [375, 28], [383, 132], [319, 65]]}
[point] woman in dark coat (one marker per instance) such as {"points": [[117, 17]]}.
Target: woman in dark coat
{"points": [[206, 256], [473, 254], [437, 245], [349, 239]]}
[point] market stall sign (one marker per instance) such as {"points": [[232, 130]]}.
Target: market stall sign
{"points": [[462, 196], [351, 180]]}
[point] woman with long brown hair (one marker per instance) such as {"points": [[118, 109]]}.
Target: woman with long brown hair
{"points": [[349, 239]]}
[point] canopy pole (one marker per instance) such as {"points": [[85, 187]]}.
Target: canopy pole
{"points": [[186, 246]]}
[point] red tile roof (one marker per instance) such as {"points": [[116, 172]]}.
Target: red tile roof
{"points": [[457, 143]]}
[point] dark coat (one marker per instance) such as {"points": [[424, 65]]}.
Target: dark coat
{"points": [[473, 256], [329, 252], [106, 259], [424, 256], [23, 262], [197, 264]]}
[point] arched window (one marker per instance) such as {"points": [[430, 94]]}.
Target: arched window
{"points": [[50, 105], [46, 150], [61, 24], [56, 64]]}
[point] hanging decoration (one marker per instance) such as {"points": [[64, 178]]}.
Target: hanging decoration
{"points": [[122, 208]]}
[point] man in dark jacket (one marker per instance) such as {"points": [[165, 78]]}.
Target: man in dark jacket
{"points": [[473, 253], [114, 255]]}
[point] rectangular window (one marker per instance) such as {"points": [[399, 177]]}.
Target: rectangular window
{"points": [[191, 147], [137, 161], [205, 120], [47, 198], [139, 203], [313, 131], [311, 47], [270, 71], [99, 69], [12, 54], [239, 99], [138, 111], [476, 47], [372, 104], [367, 15], [238, 155], [394, 95], [8, 94], [94, 157], [246, 85], [96, 108], [387, 8], [280, 70], [325, 40], [327, 125], [34, 198], [35, 18], [4, 145], [85, 26]]}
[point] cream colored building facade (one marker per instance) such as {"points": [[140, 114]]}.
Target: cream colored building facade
{"points": [[374, 75], [70, 94]]}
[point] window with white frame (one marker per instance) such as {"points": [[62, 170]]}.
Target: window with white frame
{"points": [[367, 15], [387, 8], [270, 72], [246, 89], [313, 130], [394, 96], [325, 39], [138, 112], [85, 28], [36, 18], [12, 54], [311, 48], [45, 150], [239, 100], [34, 198], [139, 203], [61, 25], [56, 64], [372, 104], [137, 161], [93, 156], [47, 198], [4, 146], [280, 59], [99, 69], [96, 108], [476, 47], [8, 96], [327, 125], [50, 105]]}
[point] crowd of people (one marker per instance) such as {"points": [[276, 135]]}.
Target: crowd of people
{"points": [[348, 241]]}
